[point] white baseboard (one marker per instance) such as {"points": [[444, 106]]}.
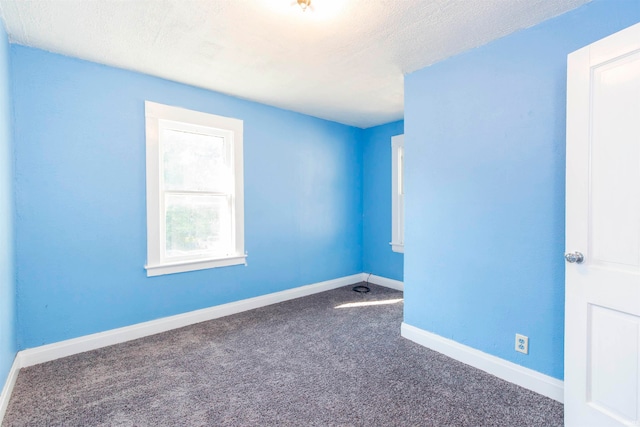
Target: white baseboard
{"points": [[383, 281], [508, 371], [45, 353], [8, 386]]}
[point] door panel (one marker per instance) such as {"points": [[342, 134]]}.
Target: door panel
{"points": [[602, 316], [612, 383], [614, 206]]}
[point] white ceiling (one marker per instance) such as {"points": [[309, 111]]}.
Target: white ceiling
{"points": [[344, 61]]}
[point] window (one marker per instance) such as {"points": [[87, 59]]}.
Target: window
{"points": [[397, 193], [195, 204]]}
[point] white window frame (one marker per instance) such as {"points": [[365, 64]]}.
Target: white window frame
{"points": [[397, 193], [160, 116]]}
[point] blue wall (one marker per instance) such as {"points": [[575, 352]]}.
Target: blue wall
{"points": [[377, 256], [80, 200], [7, 276], [485, 156]]}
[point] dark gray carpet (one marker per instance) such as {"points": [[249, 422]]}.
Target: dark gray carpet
{"points": [[300, 363]]}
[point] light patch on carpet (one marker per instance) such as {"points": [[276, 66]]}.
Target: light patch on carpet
{"points": [[368, 303]]}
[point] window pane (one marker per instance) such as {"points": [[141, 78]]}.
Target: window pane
{"points": [[194, 162], [197, 224]]}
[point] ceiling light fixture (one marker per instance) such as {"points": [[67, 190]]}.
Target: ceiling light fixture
{"points": [[304, 4]]}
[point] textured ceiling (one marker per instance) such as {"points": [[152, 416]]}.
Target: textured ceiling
{"points": [[343, 61]]}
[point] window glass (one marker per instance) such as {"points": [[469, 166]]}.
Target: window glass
{"points": [[197, 224], [194, 162], [195, 206]]}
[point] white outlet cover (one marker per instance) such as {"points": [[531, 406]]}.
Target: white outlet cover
{"points": [[522, 343]]}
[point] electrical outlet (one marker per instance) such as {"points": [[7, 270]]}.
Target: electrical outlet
{"points": [[522, 344]]}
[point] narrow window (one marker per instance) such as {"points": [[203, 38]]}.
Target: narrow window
{"points": [[195, 209], [397, 193]]}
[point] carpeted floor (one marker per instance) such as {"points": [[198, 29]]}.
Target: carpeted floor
{"points": [[305, 362]]}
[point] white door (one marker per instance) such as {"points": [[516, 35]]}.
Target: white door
{"points": [[602, 318]]}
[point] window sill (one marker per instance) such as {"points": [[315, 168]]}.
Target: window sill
{"points": [[397, 247], [201, 264]]}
